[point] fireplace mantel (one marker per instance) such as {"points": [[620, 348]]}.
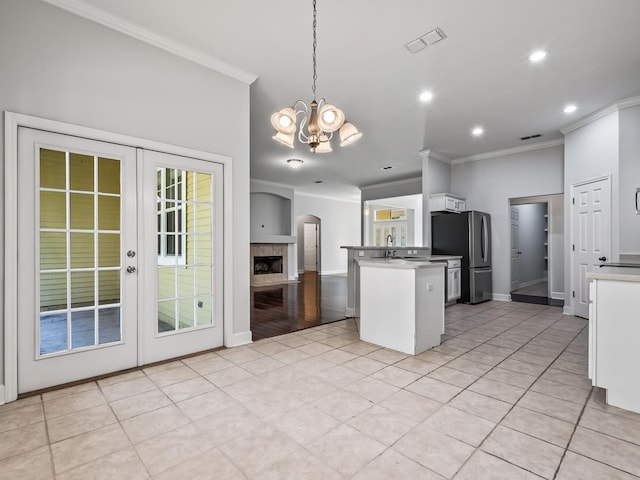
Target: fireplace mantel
{"points": [[265, 238]]}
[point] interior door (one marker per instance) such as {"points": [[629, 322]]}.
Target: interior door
{"points": [[591, 219], [515, 253], [181, 211], [310, 247], [77, 288]]}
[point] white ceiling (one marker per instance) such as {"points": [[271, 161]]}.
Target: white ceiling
{"points": [[479, 75]]}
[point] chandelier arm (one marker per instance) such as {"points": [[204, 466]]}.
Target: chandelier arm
{"points": [[301, 136], [304, 109]]}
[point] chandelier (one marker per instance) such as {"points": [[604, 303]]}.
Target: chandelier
{"points": [[320, 118]]}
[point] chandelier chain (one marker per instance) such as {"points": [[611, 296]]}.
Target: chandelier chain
{"points": [[315, 43]]}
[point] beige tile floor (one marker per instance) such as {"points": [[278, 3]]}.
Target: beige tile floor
{"points": [[504, 397]]}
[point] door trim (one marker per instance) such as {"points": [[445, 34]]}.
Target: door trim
{"points": [[572, 237], [12, 121]]}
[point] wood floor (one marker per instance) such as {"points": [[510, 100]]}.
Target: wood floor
{"points": [[314, 300]]}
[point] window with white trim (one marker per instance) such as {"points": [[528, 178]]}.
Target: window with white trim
{"points": [[171, 194]]}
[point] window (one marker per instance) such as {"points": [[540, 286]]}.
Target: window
{"points": [[171, 218]]}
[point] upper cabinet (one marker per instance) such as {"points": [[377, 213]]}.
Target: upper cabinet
{"points": [[447, 202]]}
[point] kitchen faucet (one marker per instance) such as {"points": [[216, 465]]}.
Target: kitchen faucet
{"points": [[389, 242]]}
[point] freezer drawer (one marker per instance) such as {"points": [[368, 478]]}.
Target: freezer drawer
{"points": [[481, 285]]}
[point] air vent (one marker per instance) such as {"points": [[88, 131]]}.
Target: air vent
{"points": [[318, 181], [387, 168], [426, 40], [537, 135]]}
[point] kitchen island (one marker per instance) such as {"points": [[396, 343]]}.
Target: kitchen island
{"points": [[614, 332], [402, 303]]}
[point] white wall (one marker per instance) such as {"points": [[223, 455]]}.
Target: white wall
{"points": [[340, 225], [629, 180], [531, 239], [62, 67], [489, 184], [592, 151]]}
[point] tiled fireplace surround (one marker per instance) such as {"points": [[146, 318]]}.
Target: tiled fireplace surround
{"points": [[267, 250]]}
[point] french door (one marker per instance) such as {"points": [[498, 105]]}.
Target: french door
{"points": [[118, 256]]}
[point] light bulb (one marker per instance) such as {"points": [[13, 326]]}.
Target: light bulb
{"points": [[426, 97], [329, 116], [477, 131], [284, 121], [537, 56], [570, 109]]}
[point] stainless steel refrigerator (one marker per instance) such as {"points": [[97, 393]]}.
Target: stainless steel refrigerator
{"points": [[467, 234]]}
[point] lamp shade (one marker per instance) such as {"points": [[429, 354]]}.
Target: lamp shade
{"points": [[330, 119], [324, 147], [284, 138], [284, 121], [349, 134]]}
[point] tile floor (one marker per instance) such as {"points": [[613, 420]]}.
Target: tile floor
{"points": [[504, 397]]}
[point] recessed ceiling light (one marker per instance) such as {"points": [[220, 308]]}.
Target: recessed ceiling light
{"points": [[389, 167], [318, 181], [537, 56], [426, 96], [295, 162], [570, 109], [477, 131]]}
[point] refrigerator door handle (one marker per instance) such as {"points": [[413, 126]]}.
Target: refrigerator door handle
{"points": [[484, 240]]}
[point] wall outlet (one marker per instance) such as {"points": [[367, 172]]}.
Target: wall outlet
{"points": [[429, 287], [360, 253]]}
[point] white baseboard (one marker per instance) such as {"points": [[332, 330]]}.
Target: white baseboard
{"points": [[2, 399], [501, 297], [334, 272], [566, 310], [532, 282], [557, 295], [237, 339]]}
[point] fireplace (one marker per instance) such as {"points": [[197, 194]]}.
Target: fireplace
{"points": [[269, 264]]}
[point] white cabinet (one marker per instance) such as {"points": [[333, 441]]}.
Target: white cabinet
{"points": [[402, 304], [447, 202], [453, 284], [614, 334]]}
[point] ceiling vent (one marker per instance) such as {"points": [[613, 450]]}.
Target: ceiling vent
{"points": [[537, 135], [426, 40]]}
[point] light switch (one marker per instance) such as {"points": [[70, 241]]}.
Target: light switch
{"points": [[429, 287], [360, 253]]}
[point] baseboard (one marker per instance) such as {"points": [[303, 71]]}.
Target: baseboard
{"points": [[566, 310], [531, 282], [334, 272], [501, 297], [2, 399], [237, 339], [557, 295]]}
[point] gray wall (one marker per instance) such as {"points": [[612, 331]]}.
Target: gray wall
{"points": [[489, 184], [531, 240], [270, 214], [340, 225], [62, 67]]}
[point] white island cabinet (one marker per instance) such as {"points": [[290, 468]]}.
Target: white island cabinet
{"points": [[402, 304], [614, 335]]}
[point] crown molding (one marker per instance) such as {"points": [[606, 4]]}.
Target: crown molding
{"points": [[392, 183], [78, 7], [509, 151], [328, 197], [614, 107], [428, 153]]}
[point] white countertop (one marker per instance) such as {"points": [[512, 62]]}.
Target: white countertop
{"points": [[396, 247], [622, 274], [405, 263]]}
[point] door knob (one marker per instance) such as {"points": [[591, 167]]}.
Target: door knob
{"points": [[131, 269], [603, 259], [519, 253], [131, 254]]}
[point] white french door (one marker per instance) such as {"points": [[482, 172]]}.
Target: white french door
{"points": [[76, 221], [119, 257], [591, 231], [182, 214]]}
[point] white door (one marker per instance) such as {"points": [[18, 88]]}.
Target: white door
{"points": [[591, 231], [77, 221], [515, 252], [310, 247], [182, 220]]}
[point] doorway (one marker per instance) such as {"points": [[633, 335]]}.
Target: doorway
{"points": [[309, 243], [536, 258], [120, 253]]}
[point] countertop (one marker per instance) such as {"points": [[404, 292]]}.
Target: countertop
{"points": [[404, 247], [406, 263], [622, 274]]}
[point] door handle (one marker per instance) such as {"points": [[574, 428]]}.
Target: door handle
{"points": [[603, 259], [519, 253], [131, 269]]}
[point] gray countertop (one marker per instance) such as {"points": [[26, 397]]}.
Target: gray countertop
{"points": [[623, 274]]}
